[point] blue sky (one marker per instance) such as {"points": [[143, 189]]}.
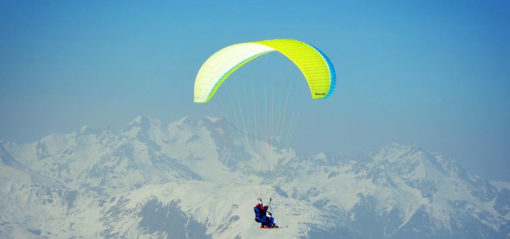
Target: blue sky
{"points": [[431, 73]]}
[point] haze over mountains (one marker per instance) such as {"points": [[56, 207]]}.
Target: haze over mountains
{"points": [[201, 178]]}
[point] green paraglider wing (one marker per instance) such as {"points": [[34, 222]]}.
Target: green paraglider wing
{"points": [[315, 66]]}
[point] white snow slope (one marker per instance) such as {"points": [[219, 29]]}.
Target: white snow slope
{"points": [[201, 179]]}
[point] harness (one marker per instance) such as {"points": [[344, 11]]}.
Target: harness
{"points": [[258, 215]]}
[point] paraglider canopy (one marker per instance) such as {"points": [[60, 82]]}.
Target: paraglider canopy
{"points": [[315, 66]]}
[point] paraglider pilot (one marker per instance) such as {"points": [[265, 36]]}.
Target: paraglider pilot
{"points": [[263, 216]]}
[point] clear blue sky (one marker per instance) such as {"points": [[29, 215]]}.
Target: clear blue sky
{"points": [[431, 73]]}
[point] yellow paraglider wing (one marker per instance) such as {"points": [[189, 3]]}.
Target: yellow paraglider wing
{"points": [[315, 66]]}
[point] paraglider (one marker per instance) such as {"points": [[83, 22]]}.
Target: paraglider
{"points": [[263, 215], [315, 66]]}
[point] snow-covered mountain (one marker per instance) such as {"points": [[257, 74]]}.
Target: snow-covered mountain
{"points": [[201, 178]]}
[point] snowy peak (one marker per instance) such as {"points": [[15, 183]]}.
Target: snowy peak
{"points": [[143, 127], [413, 162], [144, 121]]}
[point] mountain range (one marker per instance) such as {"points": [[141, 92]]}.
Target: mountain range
{"points": [[201, 178]]}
